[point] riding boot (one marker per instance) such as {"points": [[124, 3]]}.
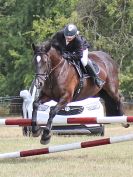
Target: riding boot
{"points": [[90, 69]]}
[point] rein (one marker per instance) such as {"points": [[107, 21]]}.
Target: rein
{"points": [[52, 69]]}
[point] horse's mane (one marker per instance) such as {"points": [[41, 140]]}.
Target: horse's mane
{"points": [[45, 46], [57, 46]]}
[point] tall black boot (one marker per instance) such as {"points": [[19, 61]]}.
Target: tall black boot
{"points": [[90, 69]]}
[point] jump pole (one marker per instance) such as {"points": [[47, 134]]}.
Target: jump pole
{"points": [[69, 120], [67, 147]]}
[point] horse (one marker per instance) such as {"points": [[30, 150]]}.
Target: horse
{"points": [[57, 79]]}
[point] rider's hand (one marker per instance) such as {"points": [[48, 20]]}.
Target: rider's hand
{"points": [[66, 56]]}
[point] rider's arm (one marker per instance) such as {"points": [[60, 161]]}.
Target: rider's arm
{"points": [[77, 52], [76, 55]]}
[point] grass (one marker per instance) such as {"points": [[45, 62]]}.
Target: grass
{"points": [[110, 160]]}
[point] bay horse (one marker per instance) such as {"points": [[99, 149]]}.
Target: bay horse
{"points": [[58, 79]]}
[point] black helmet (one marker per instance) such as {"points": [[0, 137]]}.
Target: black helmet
{"points": [[70, 30]]}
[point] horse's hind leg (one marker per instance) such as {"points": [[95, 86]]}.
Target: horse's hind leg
{"points": [[113, 103]]}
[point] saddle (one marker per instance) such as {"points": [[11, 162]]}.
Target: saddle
{"points": [[82, 71], [83, 74]]}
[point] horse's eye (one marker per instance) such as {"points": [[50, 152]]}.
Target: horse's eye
{"points": [[38, 58]]}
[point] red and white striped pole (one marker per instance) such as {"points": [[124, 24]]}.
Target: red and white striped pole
{"points": [[67, 147], [69, 120]]}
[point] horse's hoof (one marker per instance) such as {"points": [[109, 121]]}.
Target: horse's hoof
{"points": [[45, 142], [46, 136], [125, 125], [36, 131]]}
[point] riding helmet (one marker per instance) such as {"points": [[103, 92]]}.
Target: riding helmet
{"points": [[70, 30]]}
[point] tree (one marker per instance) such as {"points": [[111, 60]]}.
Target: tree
{"points": [[109, 26], [24, 22]]}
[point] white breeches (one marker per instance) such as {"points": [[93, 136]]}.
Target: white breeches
{"points": [[84, 59]]}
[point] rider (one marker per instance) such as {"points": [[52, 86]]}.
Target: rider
{"points": [[75, 47]]}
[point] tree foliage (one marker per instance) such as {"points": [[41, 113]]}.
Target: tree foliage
{"points": [[108, 25]]}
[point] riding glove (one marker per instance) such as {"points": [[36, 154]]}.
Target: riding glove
{"points": [[66, 56]]}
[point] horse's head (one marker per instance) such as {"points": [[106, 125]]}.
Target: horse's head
{"points": [[47, 58], [42, 64]]}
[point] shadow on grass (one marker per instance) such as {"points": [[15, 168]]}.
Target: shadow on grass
{"points": [[44, 158]]}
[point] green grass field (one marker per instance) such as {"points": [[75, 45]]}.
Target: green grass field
{"points": [[105, 161]]}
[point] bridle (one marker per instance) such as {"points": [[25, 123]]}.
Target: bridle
{"points": [[48, 71], [41, 76]]}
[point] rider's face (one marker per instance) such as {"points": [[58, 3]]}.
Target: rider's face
{"points": [[69, 38]]}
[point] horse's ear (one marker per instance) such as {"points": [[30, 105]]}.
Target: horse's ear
{"points": [[33, 46]]}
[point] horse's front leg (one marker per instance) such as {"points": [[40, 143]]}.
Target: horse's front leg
{"points": [[45, 139], [36, 130]]}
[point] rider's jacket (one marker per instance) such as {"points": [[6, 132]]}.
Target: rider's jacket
{"points": [[74, 49]]}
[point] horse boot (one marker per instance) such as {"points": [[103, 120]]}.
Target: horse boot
{"points": [[90, 69]]}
